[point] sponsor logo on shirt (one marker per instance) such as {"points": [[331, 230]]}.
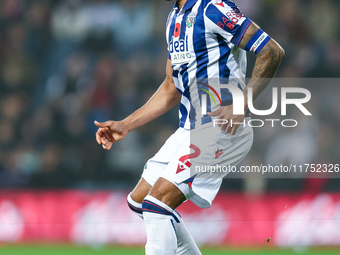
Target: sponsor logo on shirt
{"points": [[179, 51]]}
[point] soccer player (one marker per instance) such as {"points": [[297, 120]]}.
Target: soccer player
{"points": [[207, 42]]}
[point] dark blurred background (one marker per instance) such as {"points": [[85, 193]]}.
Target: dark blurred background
{"points": [[66, 63]]}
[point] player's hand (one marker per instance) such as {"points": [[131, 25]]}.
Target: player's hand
{"points": [[226, 113], [110, 132]]}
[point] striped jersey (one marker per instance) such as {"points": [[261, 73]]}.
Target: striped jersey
{"points": [[202, 42]]}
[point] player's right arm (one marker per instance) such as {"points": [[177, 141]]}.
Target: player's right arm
{"points": [[166, 97]]}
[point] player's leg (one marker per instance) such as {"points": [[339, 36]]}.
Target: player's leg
{"points": [[185, 243], [166, 232], [158, 209], [153, 169]]}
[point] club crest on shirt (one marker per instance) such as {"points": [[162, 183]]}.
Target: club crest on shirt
{"points": [[191, 19]]}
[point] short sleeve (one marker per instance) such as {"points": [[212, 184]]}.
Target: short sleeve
{"points": [[225, 18]]}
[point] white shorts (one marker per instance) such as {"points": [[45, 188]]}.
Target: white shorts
{"points": [[185, 150]]}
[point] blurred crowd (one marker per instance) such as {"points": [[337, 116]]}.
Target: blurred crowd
{"points": [[66, 63]]}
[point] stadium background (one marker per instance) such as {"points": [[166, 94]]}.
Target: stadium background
{"points": [[64, 64]]}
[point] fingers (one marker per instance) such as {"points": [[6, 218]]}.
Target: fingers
{"points": [[215, 113], [225, 125], [108, 135], [230, 127], [106, 141], [106, 124], [104, 138], [104, 134], [107, 146], [99, 135], [234, 129]]}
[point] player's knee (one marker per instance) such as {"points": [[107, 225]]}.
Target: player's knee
{"points": [[134, 206], [136, 197], [140, 191]]}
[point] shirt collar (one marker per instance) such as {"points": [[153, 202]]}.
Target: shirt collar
{"points": [[187, 6]]}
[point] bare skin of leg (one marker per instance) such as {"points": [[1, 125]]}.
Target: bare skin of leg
{"points": [[167, 192], [140, 191], [163, 190]]}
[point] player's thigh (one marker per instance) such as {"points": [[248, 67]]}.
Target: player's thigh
{"points": [[140, 191], [168, 193]]}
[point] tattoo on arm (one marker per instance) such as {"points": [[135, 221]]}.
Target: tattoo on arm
{"points": [[267, 63], [268, 60], [252, 29]]}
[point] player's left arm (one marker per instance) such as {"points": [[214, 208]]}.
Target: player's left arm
{"points": [[268, 59]]}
